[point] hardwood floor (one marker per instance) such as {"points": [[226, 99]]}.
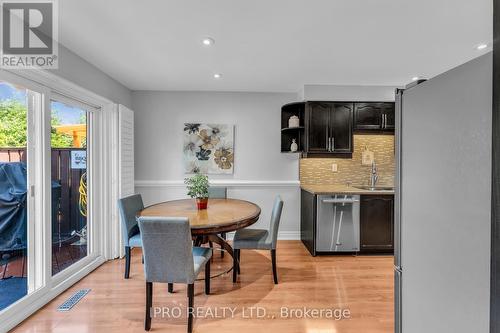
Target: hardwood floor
{"points": [[362, 284]]}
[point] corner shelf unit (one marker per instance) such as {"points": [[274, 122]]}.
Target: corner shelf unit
{"points": [[289, 133]]}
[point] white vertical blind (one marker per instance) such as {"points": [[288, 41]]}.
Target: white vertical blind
{"points": [[126, 151], [126, 185]]}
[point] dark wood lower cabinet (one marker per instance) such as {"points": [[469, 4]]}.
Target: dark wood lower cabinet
{"points": [[308, 220], [377, 224]]}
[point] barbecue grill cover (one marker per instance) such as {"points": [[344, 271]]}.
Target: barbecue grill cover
{"points": [[12, 206]]}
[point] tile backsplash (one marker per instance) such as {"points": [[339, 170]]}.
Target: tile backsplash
{"points": [[319, 170]]}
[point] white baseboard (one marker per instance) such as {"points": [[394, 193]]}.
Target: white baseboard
{"points": [[289, 235], [282, 235]]}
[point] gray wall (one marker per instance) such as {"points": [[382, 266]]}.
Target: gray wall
{"points": [[79, 71], [446, 201], [159, 119]]}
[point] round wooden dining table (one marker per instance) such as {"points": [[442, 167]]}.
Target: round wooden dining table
{"points": [[221, 216]]}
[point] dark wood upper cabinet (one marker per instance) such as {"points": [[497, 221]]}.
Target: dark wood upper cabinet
{"points": [[329, 128], [341, 127], [377, 223], [378, 116], [389, 112], [326, 128], [318, 127], [367, 116]]}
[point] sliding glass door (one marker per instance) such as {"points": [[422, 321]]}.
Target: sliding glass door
{"points": [[57, 163], [16, 180], [45, 153], [70, 175]]}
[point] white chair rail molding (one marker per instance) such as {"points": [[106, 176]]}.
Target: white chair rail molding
{"points": [[288, 166]]}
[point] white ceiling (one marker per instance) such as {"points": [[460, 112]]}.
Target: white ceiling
{"points": [[273, 45]]}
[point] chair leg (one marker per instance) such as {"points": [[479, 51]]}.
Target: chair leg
{"points": [[273, 259], [239, 262], [211, 245], [127, 261], [235, 264], [149, 304], [190, 307], [198, 241], [170, 287], [223, 236], [207, 278]]}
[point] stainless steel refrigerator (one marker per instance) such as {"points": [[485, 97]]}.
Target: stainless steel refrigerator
{"points": [[443, 201]]}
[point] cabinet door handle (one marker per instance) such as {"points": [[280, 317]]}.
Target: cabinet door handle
{"points": [[383, 121], [333, 144], [327, 142]]}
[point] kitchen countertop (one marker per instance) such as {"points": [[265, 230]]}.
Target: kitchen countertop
{"points": [[340, 189]]}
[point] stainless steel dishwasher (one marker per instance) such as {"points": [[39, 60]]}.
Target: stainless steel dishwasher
{"points": [[337, 223]]}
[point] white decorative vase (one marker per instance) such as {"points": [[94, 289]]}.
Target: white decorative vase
{"points": [[294, 147], [294, 121]]}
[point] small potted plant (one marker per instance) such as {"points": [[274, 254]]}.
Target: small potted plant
{"points": [[197, 187]]}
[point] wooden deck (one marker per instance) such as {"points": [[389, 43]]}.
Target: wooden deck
{"points": [[362, 284], [62, 257]]}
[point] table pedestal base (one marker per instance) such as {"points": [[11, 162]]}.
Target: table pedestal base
{"points": [[214, 238]]}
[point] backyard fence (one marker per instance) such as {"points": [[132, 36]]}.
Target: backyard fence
{"points": [[66, 202]]}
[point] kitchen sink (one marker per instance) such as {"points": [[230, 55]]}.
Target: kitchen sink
{"points": [[376, 188]]}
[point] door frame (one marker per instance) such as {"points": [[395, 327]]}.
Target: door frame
{"points": [[104, 195]]}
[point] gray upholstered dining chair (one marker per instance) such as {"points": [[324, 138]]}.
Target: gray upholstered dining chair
{"points": [[218, 192], [259, 239], [169, 257], [129, 207]]}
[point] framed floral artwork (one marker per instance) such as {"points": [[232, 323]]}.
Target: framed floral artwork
{"points": [[208, 148]]}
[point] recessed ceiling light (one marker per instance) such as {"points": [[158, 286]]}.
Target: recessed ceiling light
{"points": [[208, 41], [217, 76], [415, 78], [481, 46]]}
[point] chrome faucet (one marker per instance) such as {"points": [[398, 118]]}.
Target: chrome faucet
{"points": [[373, 175]]}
